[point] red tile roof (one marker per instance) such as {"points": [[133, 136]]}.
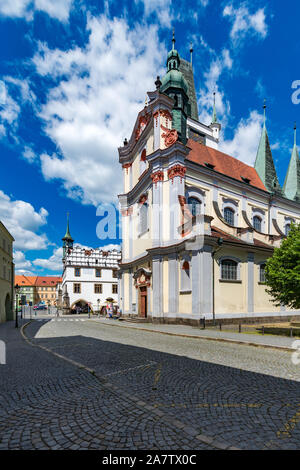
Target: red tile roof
{"points": [[42, 281], [25, 280], [223, 163], [38, 281]]}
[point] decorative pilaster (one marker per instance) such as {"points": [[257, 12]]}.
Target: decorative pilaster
{"points": [[250, 293], [157, 280], [173, 284], [206, 291], [196, 276]]}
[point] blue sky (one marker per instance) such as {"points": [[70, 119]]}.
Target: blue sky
{"points": [[74, 75]]}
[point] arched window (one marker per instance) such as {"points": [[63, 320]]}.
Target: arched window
{"points": [[143, 162], [229, 215], [185, 277], [287, 229], [229, 270], [194, 206], [262, 273], [143, 155], [143, 218], [257, 223]]}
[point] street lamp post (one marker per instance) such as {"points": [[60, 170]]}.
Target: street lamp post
{"points": [[17, 301]]}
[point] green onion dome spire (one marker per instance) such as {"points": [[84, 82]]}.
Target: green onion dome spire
{"points": [[68, 235], [173, 78]]}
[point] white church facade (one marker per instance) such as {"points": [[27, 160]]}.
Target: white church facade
{"points": [[198, 225]]}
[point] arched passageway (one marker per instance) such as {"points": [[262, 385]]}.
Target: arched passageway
{"points": [[81, 306]]}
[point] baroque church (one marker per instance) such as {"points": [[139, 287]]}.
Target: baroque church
{"points": [[198, 225]]}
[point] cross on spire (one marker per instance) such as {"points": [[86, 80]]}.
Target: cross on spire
{"points": [[214, 116], [264, 108], [173, 40]]}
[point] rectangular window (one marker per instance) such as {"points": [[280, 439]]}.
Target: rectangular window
{"points": [[76, 288], [115, 273], [98, 288], [115, 288], [262, 273], [229, 270], [98, 272], [77, 272]]}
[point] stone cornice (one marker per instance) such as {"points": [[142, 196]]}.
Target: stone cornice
{"points": [[129, 198]]}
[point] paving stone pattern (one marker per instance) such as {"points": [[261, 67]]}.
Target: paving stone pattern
{"points": [[149, 391]]}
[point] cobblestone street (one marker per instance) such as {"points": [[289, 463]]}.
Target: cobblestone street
{"points": [[144, 391]]}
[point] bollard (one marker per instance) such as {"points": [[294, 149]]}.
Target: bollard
{"points": [[240, 328], [220, 326]]}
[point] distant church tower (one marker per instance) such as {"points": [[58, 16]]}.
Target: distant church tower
{"points": [[67, 240]]}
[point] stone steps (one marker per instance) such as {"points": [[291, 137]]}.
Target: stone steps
{"points": [[135, 320]]}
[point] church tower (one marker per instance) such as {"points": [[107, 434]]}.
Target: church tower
{"points": [[67, 240], [291, 185], [215, 125], [264, 163], [175, 85]]}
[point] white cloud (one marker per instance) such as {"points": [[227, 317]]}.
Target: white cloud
{"points": [[101, 90], [21, 263], [110, 247], [14, 93], [29, 154], [243, 22], [22, 221], [54, 263], [162, 8], [58, 9], [245, 141]]}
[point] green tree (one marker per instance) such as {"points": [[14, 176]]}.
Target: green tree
{"points": [[283, 271]]}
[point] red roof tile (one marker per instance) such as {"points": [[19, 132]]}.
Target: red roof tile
{"points": [[223, 163], [23, 280], [47, 281]]}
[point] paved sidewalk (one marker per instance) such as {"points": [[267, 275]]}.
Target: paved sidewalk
{"points": [[281, 342]]}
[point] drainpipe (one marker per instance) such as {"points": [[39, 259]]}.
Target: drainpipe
{"points": [[220, 243]]}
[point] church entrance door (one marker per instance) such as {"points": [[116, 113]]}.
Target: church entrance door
{"points": [[143, 302]]}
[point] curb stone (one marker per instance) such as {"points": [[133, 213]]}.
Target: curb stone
{"points": [[190, 430]]}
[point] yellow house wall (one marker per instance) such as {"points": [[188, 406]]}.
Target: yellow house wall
{"points": [[185, 303], [262, 300], [231, 297]]}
